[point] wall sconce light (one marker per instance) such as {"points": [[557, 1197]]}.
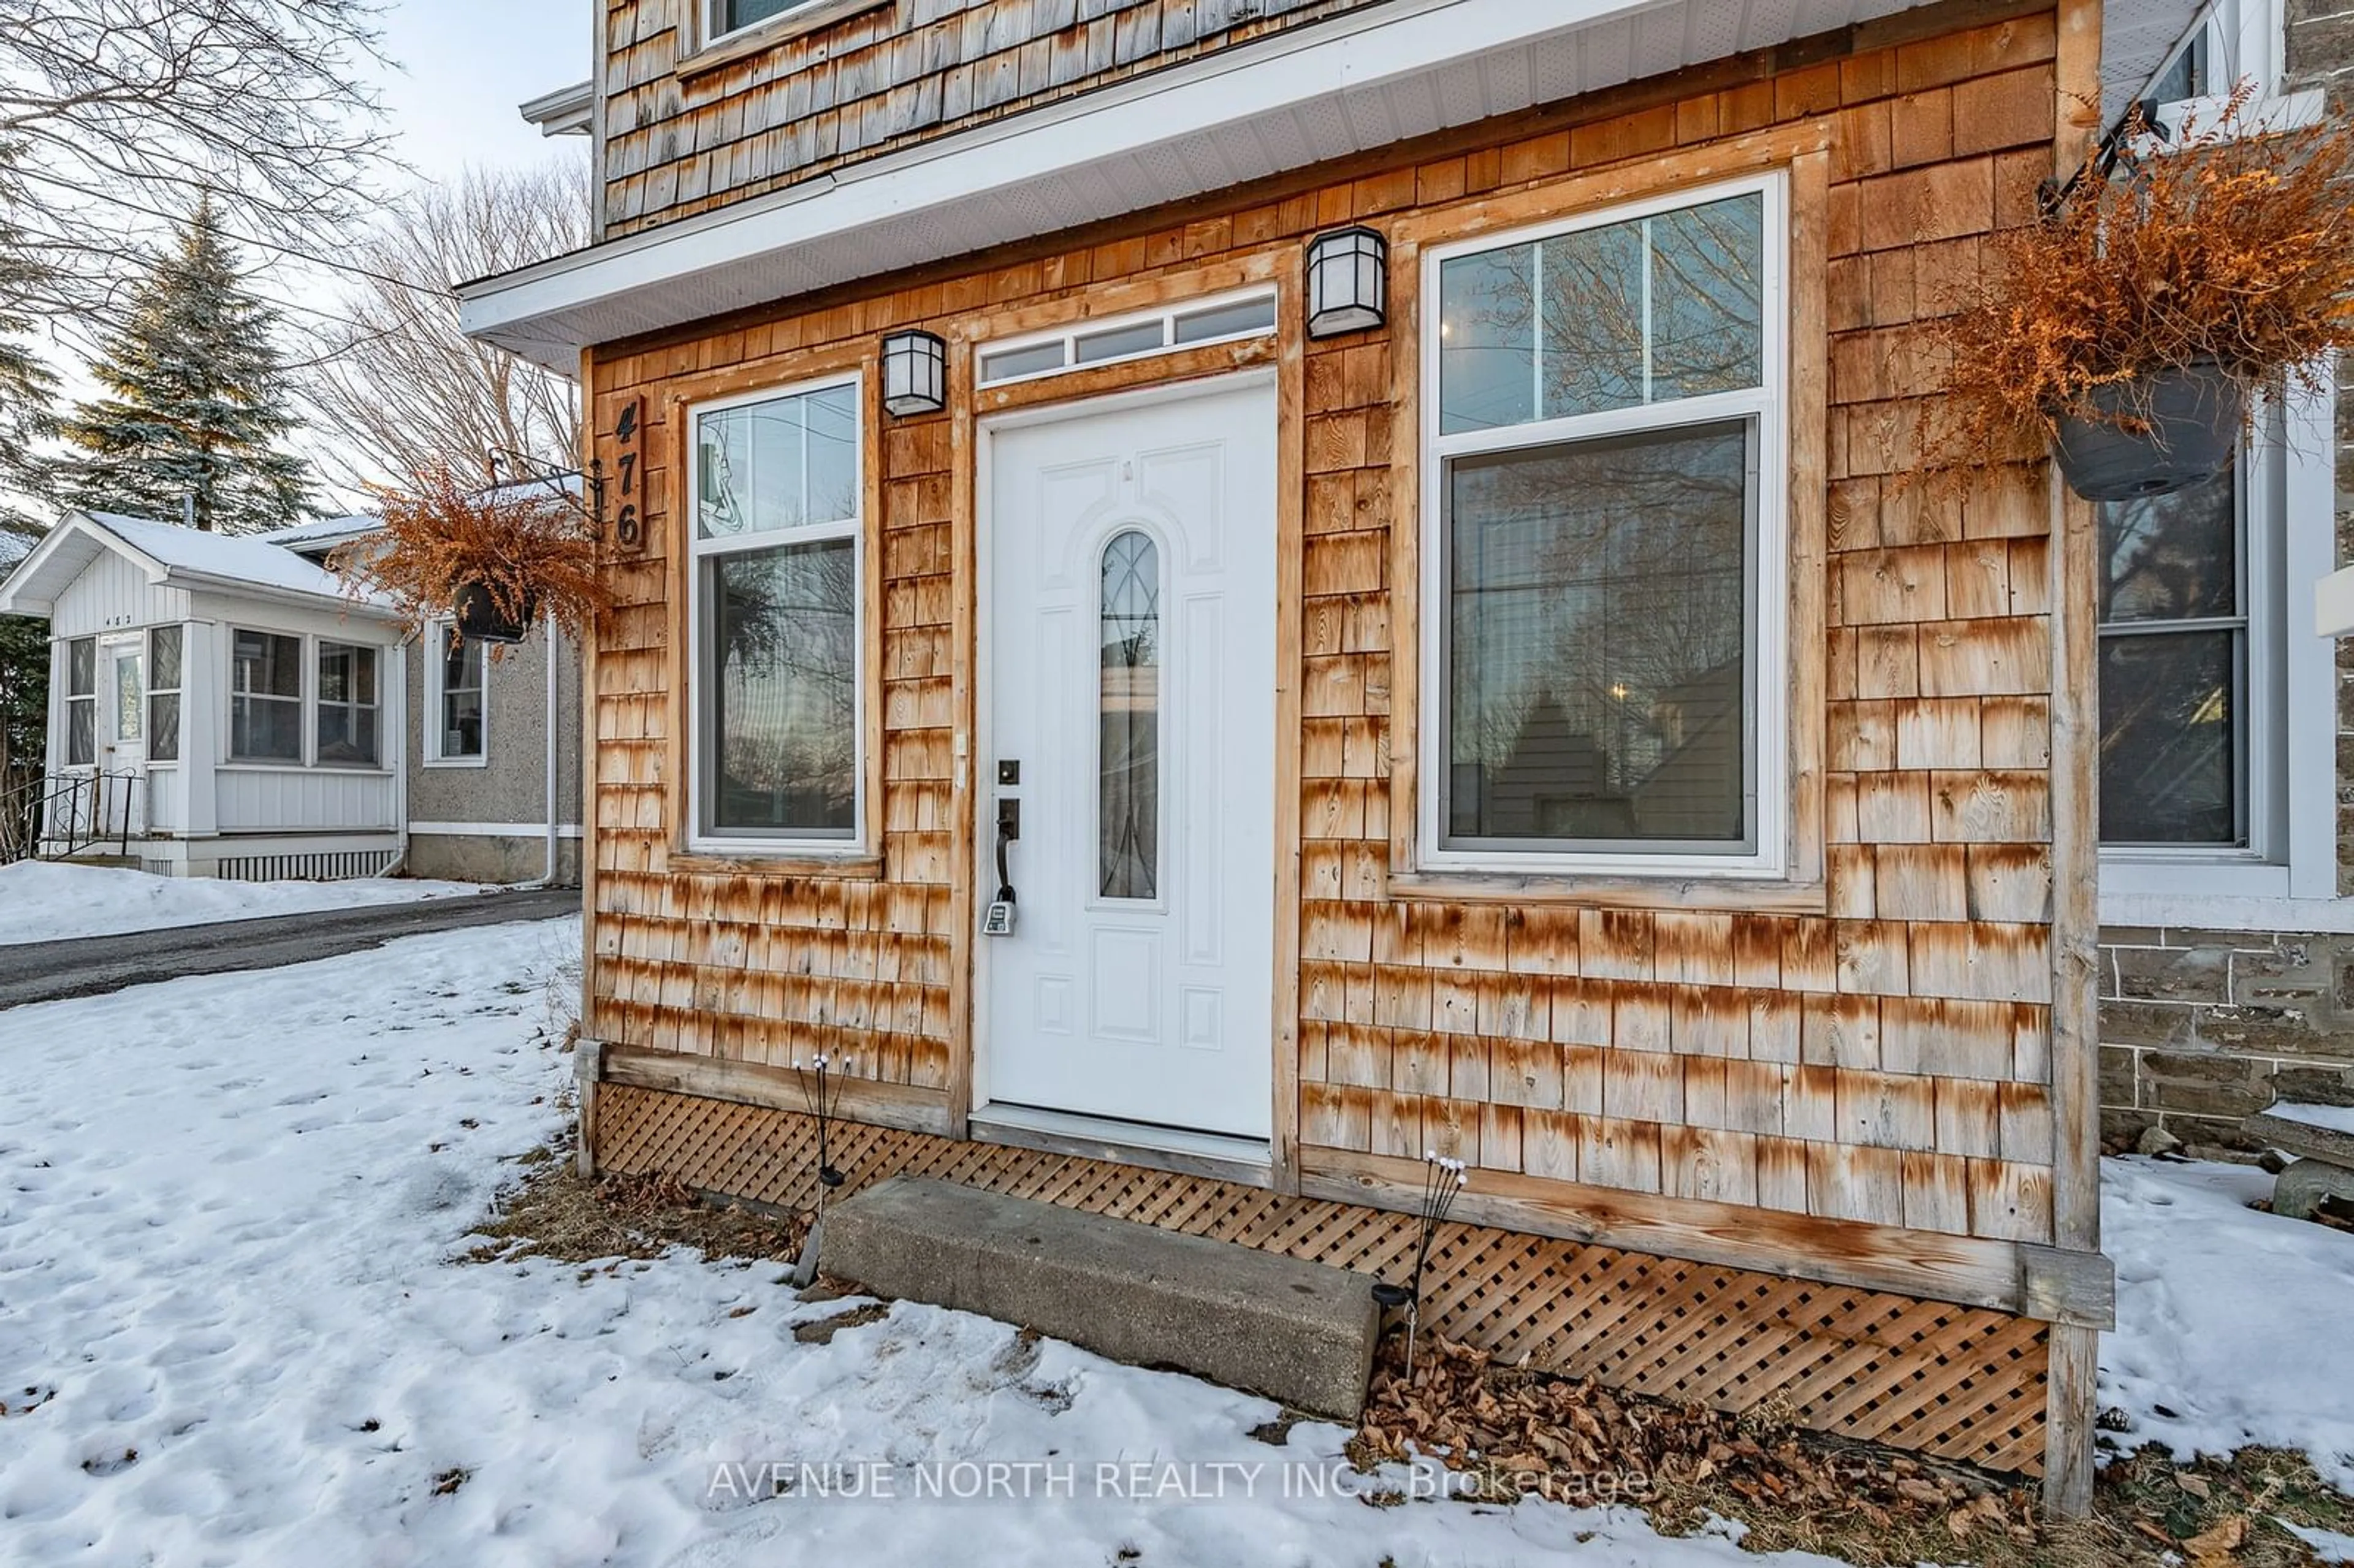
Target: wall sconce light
{"points": [[914, 373], [1348, 281]]}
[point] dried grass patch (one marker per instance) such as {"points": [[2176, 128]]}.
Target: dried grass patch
{"points": [[555, 1213]]}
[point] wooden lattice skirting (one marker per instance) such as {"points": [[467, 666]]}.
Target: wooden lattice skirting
{"points": [[1961, 1383]]}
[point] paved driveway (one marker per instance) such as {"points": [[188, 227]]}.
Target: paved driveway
{"points": [[92, 966]]}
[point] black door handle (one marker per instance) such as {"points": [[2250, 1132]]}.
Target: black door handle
{"points": [[1009, 828]]}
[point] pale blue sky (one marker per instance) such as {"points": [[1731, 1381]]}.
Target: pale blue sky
{"points": [[469, 63]]}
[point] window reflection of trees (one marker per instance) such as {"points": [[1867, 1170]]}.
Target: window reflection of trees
{"points": [[784, 463], [1642, 311], [781, 631], [2174, 632], [1598, 607], [786, 719]]}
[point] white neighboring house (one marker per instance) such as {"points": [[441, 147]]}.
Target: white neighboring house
{"points": [[224, 705], [232, 708]]}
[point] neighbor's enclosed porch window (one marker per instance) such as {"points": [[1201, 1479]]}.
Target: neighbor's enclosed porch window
{"points": [[1604, 555], [335, 719], [774, 609], [81, 702], [265, 697], [347, 706], [163, 677]]}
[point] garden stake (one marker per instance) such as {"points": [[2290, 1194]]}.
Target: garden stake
{"points": [[822, 1091]]}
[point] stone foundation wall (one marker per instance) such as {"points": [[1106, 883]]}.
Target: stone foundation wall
{"points": [[2200, 1029]]}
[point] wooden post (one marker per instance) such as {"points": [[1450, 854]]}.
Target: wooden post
{"points": [[588, 1070], [2074, 1352]]}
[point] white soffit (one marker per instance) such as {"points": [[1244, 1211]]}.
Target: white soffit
{"points": [[1360, 81], [2138, 39]]}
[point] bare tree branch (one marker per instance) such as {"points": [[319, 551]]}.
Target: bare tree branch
{"points": [[137, 107], [401, 390]]}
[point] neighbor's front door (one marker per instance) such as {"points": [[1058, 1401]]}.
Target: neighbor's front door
{"points": [[123, 729], [1131, 633]]}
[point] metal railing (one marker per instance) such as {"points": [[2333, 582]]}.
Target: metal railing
{"points": [[62, 814]]}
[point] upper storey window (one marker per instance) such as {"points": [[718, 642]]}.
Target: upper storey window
{"points": [[734, 16]]}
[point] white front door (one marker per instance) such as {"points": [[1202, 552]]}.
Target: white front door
{"points": [[123, 696], [1130, 625]]}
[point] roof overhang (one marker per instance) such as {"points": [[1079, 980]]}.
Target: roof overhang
{"points": [[566, 111], [1368, 78]]}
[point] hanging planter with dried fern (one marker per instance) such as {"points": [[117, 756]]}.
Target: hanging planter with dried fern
{"points": [[495, 560], [2133, 329]]}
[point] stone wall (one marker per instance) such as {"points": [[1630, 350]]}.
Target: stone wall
{"points": [[2202, 1028]]}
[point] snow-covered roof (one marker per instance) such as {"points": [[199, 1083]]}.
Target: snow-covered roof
{"points": [[323, 533], [250, 564]]}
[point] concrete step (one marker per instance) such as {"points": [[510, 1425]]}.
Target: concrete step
{"points": [[1299, 1333]]}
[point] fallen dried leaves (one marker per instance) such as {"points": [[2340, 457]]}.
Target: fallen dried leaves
{"points": [[1522, 1433], [1517, 1433]]}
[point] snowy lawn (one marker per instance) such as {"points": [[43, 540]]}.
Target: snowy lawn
{"points": [[48, 901], [2232, 1326], [227, 1208]]}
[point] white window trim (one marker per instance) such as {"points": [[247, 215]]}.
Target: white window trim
{"points": [[1769, 590], [318, 648], [712, 32], [436, 662], [1068, 334], [112, 646], [386, 711], [741, 844], [67, 699], [180, 690], [306, 682], [2286, 875]]}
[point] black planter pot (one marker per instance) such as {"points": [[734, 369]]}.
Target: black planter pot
{"points": [[479, 620], [2185, 427]]}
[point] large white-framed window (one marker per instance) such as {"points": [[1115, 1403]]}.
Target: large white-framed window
{"points": [[1604, 551], [457, 699], [2230, 42], [301, 700], [777, 620]]}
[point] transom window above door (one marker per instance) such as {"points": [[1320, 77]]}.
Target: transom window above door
{"points": [[1227, 318], [1604, 543]]}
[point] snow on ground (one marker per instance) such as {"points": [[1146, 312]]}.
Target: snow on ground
{"points": [[2233, 1320], [48, 901], [227, 1210], [2334, 1118]]}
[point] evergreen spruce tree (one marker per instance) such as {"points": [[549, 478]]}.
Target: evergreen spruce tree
{"points": [[28, 417], [196, 405]]}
